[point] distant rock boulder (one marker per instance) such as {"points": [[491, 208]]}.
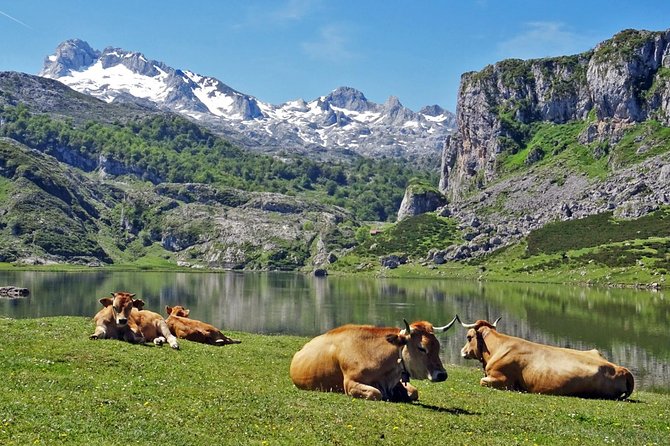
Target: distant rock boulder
{"points": [[420, 198], [320, 272], [393, 261], [13, 291]]}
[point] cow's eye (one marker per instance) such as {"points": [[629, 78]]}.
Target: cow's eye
{"points": [[469, 338], [421, 349], [116, 310]]}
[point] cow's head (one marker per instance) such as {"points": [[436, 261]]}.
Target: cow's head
{"points": [[122, 304], [421, 350], [177, 310], [474, 347]]}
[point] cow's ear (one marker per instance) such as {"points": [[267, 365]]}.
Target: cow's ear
{"points": [[106, 301], [186, 312], [168, 310], [396, 340], [133, 294], [138, 303]]}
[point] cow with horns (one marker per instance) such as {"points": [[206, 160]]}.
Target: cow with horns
{"points": [[370, 362], [517, 364]]}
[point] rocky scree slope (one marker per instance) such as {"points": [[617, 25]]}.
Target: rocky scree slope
{"points": [[334, 125]]}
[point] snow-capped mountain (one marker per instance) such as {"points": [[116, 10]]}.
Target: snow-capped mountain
{"points": [[341, 121]]}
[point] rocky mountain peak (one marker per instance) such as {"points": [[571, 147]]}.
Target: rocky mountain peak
{"points": [[134, 61], [432, 110], [348, 98], [392, 103], [397, 114], [71, 55]]}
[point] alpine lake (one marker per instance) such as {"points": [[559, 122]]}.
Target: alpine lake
{"points": [[629, 327]]}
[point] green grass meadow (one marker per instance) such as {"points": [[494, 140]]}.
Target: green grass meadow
{"points": [[59, 387]]}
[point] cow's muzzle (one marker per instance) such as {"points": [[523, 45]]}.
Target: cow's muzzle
{"points": [[122, 321], [438, 376]]}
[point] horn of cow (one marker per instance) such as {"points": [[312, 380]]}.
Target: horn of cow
{"points": [[446, 327], [408, 329], [475, 324], [465, 325]]}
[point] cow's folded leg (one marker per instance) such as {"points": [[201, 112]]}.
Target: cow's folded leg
{"points": [[404, 392], [412, 392], [135, 338], [360, 390], [496, 380], [165, 331], [99, 333], [225, 340]]}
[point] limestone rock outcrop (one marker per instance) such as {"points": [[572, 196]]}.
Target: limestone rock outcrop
{"points": [[420, 199], [622, 81]]}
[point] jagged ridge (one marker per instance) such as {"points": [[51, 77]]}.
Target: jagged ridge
{"points": [[344, 120]]}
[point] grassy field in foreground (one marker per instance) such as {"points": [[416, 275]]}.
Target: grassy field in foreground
{"points": [[59, 387]]}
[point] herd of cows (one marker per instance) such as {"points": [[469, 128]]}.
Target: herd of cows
{"points": [[377, 363]]}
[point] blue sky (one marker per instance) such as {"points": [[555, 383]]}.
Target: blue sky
{"points": [[287, 49]]}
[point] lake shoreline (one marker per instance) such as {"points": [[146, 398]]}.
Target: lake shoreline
{"points": [[455, 272]]}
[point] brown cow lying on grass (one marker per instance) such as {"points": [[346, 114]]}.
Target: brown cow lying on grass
{"points": [[517, 364], [369, 362], [123, 318], [193, 330]]}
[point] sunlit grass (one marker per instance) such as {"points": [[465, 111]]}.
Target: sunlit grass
{"points": [[58, 387]]}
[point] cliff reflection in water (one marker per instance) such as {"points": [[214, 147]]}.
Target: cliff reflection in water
{"points": [[628, 326]]}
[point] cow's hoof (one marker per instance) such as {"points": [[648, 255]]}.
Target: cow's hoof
{"points": [[175, 346], [159, 341], [94, 337]]}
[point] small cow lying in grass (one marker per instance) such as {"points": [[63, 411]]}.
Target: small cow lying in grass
{"points": [[123, 318], [193, 330]]}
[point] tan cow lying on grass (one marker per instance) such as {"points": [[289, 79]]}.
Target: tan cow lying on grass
{"points": [[123, 318], [517, 364], [369, 362], [193, 330]]}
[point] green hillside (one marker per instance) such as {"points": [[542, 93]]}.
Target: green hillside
{"points": [[167, 148], [599, 249]]}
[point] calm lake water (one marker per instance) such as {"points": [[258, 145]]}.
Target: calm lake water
{"points": [[629, 327]]}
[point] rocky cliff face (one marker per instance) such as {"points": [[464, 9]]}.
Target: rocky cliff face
{"points": [[559, 138], [623, 81]]}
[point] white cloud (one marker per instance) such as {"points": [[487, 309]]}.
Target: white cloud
{"points": [[332, 44], [543, 39], [295, 9], [285, 12]]}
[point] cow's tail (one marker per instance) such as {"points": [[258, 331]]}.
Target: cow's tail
{"points": [[630, 382]]}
